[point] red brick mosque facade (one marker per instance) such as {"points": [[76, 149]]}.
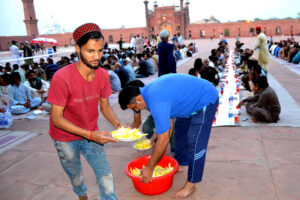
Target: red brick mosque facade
{"points": [[175, 19]]}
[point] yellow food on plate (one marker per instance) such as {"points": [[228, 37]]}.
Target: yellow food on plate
{"points": [[142, 144], [127, 134], [157, 172]]}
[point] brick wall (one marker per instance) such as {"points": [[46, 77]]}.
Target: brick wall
{"points": [[286, 26]]}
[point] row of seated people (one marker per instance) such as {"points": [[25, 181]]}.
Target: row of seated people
{"points": [[263, 105], [286, 50]]}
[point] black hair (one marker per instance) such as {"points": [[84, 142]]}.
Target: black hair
{"points": [[123, 56], [50, 61], [136, 82], [213, 58], [29, 72], [13, 42], [213, 52], [6, 78], [198, 63], [257, 69], [192, 71], [244, 58], [127, 94], [15, 75], [210, 74], [107, 67], [261, 82], [15, 66], [88, 36], [26, 67], [7, 68], [251, 64], [139, 56]]}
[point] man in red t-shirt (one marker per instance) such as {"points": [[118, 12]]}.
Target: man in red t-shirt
{"points": [[75, 93]]}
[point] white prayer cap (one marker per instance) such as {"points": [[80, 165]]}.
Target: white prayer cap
{"points": [[164, 34]]}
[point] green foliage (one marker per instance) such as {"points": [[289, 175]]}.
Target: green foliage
{"points": [[226, 32]]}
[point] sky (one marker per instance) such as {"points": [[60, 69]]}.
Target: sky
{"points": [[70, 14]]}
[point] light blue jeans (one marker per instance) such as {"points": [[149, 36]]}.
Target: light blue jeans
{"points": [[69, 156]]}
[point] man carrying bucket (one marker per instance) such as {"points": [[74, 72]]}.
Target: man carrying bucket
{"points": [[193, 102]]}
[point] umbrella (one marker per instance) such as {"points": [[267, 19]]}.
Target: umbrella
{"points": [[44, 40]]}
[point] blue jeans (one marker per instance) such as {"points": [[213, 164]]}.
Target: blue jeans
{"points": [[191, 139], [69, 156]]}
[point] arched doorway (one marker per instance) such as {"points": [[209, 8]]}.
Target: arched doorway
{"points": [[166, 26], [202, 33]]}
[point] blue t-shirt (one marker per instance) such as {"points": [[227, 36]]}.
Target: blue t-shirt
{"points": [[176, 95]]}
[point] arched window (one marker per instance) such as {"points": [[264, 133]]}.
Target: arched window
{"points": [[278, 30], [202, 33], [131, 35], [292, 30], [251, 31], [265, 30], [214, 33], [190, 34], [111, 39], [226, 32], [239, 32]]}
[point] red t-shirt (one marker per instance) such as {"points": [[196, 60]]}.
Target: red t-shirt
{"points": [[79, 97]]}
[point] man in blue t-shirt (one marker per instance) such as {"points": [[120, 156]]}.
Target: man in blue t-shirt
{"points": [[193, 102]]}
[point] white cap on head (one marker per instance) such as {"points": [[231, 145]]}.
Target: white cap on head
{"points": [[164, 34]]}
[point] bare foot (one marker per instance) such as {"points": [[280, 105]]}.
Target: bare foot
{"points": [[254, 120], [188, 189], [83, 197], [180, 168]]}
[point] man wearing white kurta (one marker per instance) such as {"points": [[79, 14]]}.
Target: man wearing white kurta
{"points": [[263, 54], [132, 42], [15, 52]]}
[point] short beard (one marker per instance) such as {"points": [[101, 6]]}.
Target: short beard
{"points": [[86, 63]]}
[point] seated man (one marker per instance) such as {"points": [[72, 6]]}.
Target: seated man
{"points": [[37, 86], [122, 73], [149, 63], [142, 71], [264, 106], [114, 79], [19, 96], [51, 68], [129, 69], [4, 99]]}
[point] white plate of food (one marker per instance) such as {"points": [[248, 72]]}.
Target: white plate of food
{"points": [[142, 144], [127, 134]]}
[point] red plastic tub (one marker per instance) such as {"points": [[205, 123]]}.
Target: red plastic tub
{"points": [[159, 184]]}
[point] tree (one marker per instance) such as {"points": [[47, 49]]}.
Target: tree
{"points": [[257, 19]]}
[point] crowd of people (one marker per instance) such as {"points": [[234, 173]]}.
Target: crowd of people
{"points": [[288, 50], [123, 65], [73, 87]]}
